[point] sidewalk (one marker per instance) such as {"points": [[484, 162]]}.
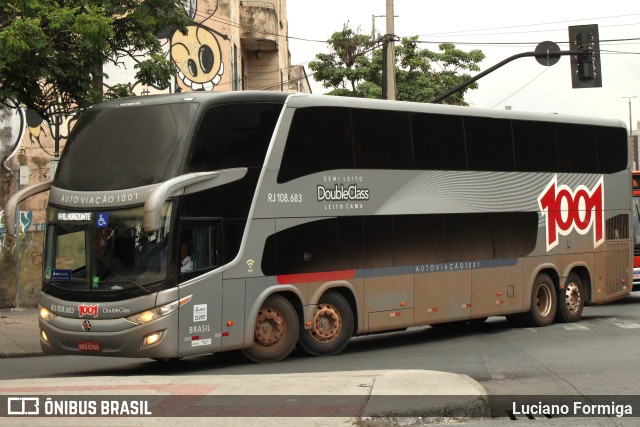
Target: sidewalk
{"points": [[390, 397], [19, 333]]}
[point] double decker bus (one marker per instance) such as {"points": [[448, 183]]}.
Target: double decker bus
{"points": [[197, 223], [635, 185]]}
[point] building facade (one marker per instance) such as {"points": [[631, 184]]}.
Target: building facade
{"points": [[232, 45]]}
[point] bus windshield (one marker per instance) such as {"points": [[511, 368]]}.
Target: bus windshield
{"points": [[116, 148], [108, 250]]}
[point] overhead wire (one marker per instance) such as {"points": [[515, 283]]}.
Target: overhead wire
{"points": [[474, 32]]}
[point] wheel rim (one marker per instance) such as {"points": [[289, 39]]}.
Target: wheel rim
{"points": [[270, 327], [543, 300], [573, 298], [327, 323]]}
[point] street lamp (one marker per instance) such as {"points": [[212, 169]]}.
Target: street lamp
{"points": [[634, 149]]}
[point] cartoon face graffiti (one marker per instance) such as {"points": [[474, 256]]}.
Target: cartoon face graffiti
{"points": [[198, 57]]}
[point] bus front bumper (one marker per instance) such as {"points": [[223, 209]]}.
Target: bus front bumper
{"points": [[111, 337]]}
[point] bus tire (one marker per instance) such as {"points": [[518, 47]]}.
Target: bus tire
{"points": [[570, 300], [332, 326], [275, 332], [543, 302]]}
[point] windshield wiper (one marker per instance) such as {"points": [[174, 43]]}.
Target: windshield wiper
{"points": [[115, 282]]}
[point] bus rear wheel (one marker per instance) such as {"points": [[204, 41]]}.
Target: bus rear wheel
{"points": [[332, 327], [570, 300], [543, 302], [276, 331]]}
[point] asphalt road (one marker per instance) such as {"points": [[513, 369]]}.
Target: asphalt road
{"points": [[597, 356]]}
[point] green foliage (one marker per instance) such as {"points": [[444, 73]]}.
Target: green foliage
{"points": [[347, 66], [355, 68], [52, 52], [119, 91]]}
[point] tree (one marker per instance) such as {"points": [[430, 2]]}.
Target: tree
{"points": [[52, 52], [347, 67], [421, 74]]}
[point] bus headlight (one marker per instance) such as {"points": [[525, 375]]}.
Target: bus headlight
{"points": [[156, 313], [152, 339], [46, 314]]}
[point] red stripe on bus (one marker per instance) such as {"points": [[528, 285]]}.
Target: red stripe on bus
{"points": [[316, 277]]}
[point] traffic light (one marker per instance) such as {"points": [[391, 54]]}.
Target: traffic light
{"points": [[585, 66]]}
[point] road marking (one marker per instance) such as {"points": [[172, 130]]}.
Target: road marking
{"points": [[575, 327], [624, 324]]}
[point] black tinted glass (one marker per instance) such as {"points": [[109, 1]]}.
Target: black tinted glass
{"points": [[489, 144], [319, 140], [382, 139], [535, 146], [234, 135], [577, 148], [125, 147], [613, 149], [438, 142]]}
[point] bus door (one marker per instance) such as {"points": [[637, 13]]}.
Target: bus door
{"points": [[200, 252]]}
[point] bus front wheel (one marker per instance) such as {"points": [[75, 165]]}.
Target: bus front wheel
{"points": [[331, 329], [570, 300], [543, 302], [276, 331]]}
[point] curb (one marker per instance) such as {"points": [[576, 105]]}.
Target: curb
{"points": [[17, 355]]}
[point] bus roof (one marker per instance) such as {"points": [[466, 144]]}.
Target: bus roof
{"points": [[299, 100], [198, 97]]}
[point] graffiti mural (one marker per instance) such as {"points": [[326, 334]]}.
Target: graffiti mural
{"points": [[25, 226], [12, 125], [200, 55], [197, 54]]}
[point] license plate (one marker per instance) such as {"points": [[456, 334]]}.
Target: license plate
{"points": [[93, 346], [636, 275]]}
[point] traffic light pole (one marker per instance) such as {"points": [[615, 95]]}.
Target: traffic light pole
{"points": [[500, 64]]}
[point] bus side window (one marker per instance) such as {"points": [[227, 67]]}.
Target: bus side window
{"points": [[613, 151], [438, 142], [234, 135], [319, 140], [382, 139], [577, 148], [535, 146], [200, 245], [489, 144]]}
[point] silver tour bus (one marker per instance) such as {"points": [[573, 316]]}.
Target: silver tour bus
{"points": [[197, 223]]}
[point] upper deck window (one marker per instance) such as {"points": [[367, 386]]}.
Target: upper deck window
{"points": [[382, 139], [320, 139], [331, 138], [234, 135]]}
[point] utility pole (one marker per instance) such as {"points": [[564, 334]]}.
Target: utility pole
{"points": [[634, 150], [390, 57]]}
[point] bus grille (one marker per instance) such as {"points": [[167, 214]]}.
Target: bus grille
{"points": [[618, 258]]}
